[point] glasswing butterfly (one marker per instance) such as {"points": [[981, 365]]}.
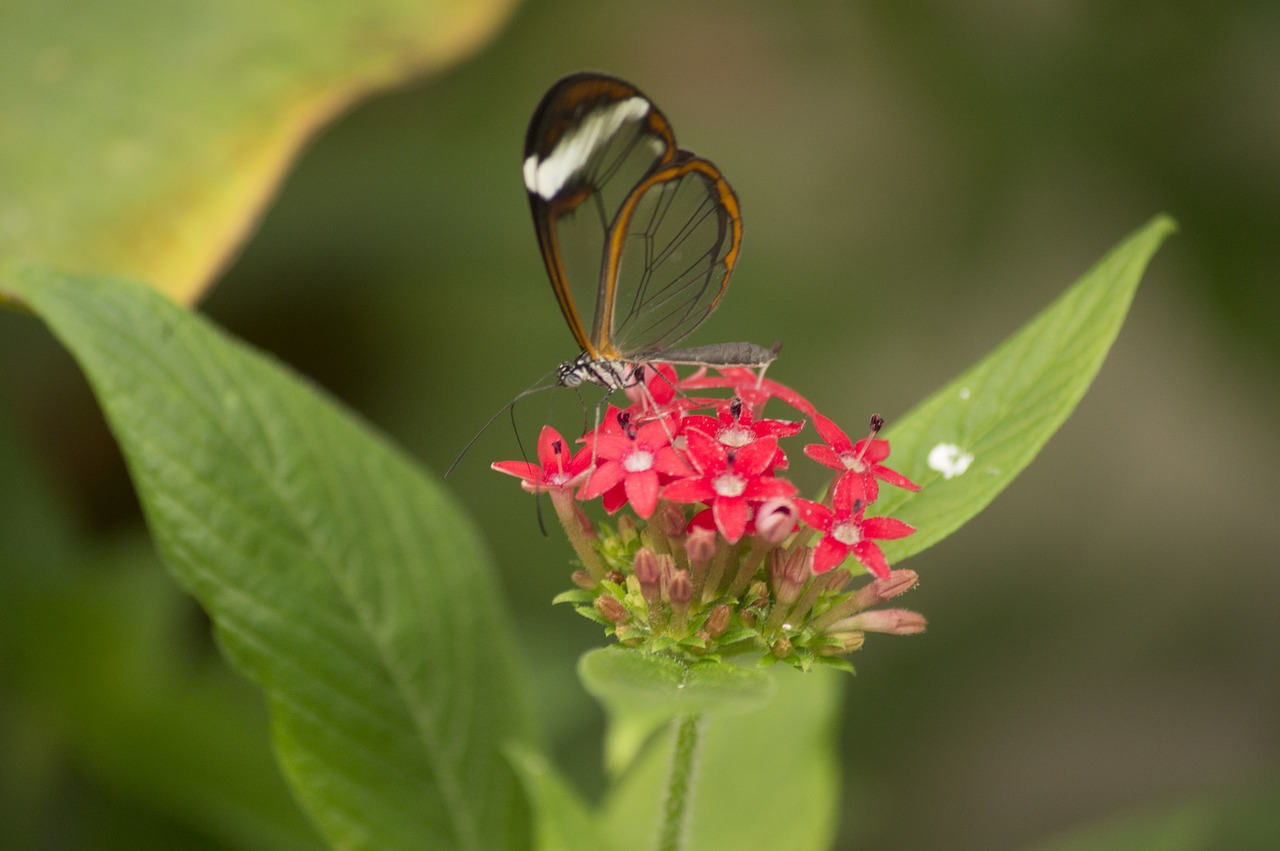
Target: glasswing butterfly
{"points": [[656, 226]]}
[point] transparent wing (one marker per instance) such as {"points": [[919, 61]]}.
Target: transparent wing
{"points": [[668, 257], [592, 139]]}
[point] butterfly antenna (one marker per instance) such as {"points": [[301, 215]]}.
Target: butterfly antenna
{"points": [[537, 387]]}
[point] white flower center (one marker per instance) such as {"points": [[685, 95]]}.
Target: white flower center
{"points": [[852, 461], [638, 461], [846, 533], [736, 436], [729, 484]]}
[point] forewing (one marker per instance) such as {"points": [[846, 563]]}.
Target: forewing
{"points": [[669, 256], [592, 139]]}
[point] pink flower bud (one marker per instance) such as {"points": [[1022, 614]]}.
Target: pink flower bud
{"points": [[887, 621], [648, 572], [718, 620], [700, 546], [680, 589], [611, 608], [776, 520], [879, 590]]}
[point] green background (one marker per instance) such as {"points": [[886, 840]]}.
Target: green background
{"points": [[916, 182]]}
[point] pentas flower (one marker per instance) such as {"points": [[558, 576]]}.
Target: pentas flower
{"points": [[734, 426], [729, 478], [712, 558], [861, 460], [847, 532], [635, 459], [558, 469], [754, 389]]}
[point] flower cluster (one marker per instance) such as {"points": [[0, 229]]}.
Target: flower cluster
{"points": [[723, 558]]}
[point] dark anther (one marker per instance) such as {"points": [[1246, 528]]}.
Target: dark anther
{"points": [[735, 408], [877, 423], [557, 447]]}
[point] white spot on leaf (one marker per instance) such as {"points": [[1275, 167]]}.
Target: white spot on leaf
{"points": [[949, 460]]}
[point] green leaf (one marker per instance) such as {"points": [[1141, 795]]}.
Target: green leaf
{"points": [[642, 692], [143, 137], [1002, 410], [98, 657], [563, 820], [1240, 818], [338, 577], [765, 778]]}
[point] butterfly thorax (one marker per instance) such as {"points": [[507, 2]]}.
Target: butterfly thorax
{"points": [[586, 369]]}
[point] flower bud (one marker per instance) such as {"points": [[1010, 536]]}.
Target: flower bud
{"points": [[680, 589], [680, 592], [611, 607], [846, 642], [669, 520], [781, 648], [879, 590], [887, 621], [648, 573], [718, 620], [583, 579], [776, 520], [666, 570], [700, 546]]}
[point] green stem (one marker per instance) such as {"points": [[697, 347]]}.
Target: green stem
{"points": [[675, 809]]}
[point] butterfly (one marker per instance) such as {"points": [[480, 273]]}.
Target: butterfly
{"points": [[656, 228]]}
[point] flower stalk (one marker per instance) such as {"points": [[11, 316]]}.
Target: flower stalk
{"points": [[676, 805]]}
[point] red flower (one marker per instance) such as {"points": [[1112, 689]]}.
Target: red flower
{"points": [[734, 425], [861, 460], [558, 469], [847, 531], [728, 478], [633, 458], [750, 387], [657, 394]]}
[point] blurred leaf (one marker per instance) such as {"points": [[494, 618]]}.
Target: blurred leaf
{"points": [[143, 137], [765, 778], [98, 679], [339, 578], [1245, 820], [643, 692], [1002, 410], [563, 820], [96, 662]]}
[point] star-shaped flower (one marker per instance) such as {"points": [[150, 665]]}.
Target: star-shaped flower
{"points": [[636, 459], [861, 460], [558, 469], [727, 479], [846, 531], [734, 426]]}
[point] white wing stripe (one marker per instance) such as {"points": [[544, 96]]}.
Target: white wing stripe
{"points": [[546, 177]]}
